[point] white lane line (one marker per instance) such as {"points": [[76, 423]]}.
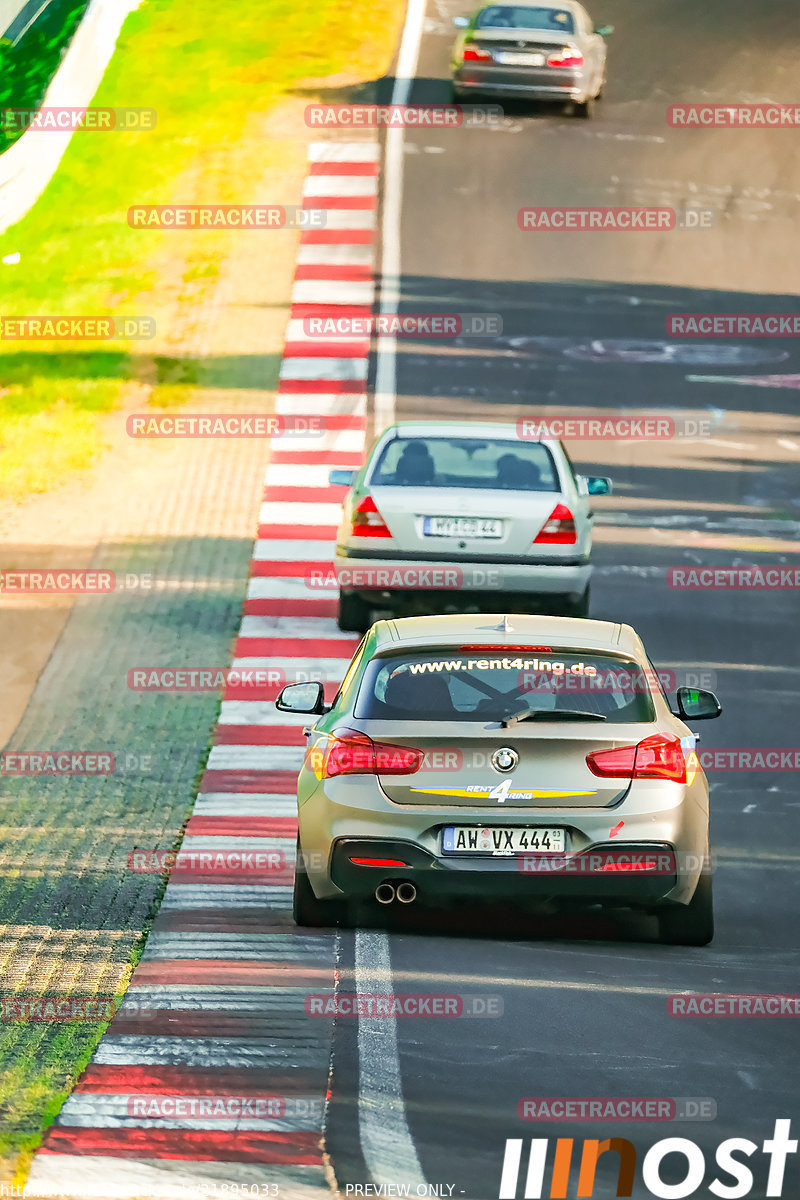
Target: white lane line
{"points": [[386, 346], [178, 898], [289, 587], [351, 404], [298, 474], [289, 549], [257, 712], [300, 512], [324, 368], [340, 185], [386, 1143], [335, 255], [325, 669], [366, 151], [255, 758], [300, 627]]}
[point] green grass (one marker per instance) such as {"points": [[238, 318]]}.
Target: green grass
{"points": [[212, 74], [27, 67]]}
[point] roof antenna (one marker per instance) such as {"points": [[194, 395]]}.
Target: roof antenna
{"points": [[505, 625]]}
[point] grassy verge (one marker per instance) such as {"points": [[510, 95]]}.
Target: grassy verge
{"points": [[213, 75], [27, 66]]}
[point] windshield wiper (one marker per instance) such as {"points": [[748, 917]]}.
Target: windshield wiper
{"points": [[562, 714]]}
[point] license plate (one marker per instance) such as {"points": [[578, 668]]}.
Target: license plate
{"points": [[501, 841], [470, 527], [510, 59]]}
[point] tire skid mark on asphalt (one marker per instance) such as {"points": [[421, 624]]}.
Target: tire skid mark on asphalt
{"points": [[216, 1004]]}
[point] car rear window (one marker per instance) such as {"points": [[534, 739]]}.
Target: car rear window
{"points": [[466, 463], [512, 16], [482, 685]]}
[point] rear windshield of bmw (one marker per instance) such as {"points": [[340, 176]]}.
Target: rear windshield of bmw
{"points": [[476, 684]]}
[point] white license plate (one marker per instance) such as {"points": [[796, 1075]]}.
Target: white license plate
{"points": [[470, 527], [509, 59], [501, 841]]}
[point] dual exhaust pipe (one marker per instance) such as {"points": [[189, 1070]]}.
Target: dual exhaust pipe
{"points": [[405, 892]]}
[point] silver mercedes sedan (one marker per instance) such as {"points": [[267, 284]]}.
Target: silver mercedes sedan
{"points": [[453, 515], [535, 51]]}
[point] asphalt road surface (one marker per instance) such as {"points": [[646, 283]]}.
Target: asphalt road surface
{"points": [[585, 1000]]}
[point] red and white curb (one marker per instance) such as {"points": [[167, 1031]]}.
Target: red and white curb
{"points": [[178, 1099]]}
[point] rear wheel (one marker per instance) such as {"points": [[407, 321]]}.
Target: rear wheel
{"points": [[353, 614], [585, 110], [307, 910], [692, 924]]}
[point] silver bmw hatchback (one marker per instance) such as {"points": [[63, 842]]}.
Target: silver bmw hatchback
{"points": [[527, 758]]}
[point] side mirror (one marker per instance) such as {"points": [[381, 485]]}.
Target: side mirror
{"points": [[461, 22], [604, 30], [696, 705], [341, 478], [302, 698], [597, 485]]}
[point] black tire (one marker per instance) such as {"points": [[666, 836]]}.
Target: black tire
{"points": [[577, 606], [691, 924], [307, 910], [353, 614], [585, 111]]}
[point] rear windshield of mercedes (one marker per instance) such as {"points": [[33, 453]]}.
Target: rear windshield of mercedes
{"points": [[511, 16], [466, 463], [488, 684]]}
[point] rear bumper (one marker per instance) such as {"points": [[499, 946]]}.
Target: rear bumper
{"points": [[372, 573], [584, 877], [509, 81]]}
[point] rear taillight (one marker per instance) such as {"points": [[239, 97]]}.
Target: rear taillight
{"points": [[558, 529], [350, 752], [568, 57], [473, 53], [657, 757], [367, 521], [649, 865], [379, 862]]}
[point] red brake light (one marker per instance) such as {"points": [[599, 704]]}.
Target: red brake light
{"points": [[510, 649], [350, 752], [566, 57], [649, 865], [367, 521], [657, 757], [473, 53], [558, 529], [378, 862]]}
